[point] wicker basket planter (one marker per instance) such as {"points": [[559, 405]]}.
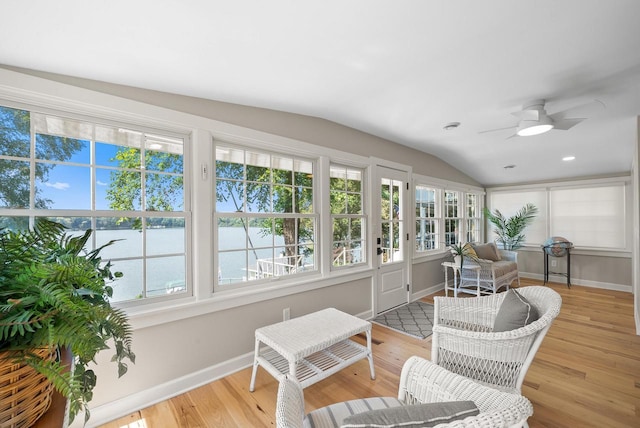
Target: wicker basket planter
{"points": [[25, 394]]}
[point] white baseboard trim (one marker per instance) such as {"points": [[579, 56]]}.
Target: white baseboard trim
{"points": [[577, 281], [105, 413], [427, 291]]}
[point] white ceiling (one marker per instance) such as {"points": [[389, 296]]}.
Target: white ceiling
{"points": [[398, 69]]}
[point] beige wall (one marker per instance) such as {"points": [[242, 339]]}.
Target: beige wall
{"points": [[304, 128]]}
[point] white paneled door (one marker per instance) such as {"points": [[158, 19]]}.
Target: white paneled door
{"points": [[392, 239]]}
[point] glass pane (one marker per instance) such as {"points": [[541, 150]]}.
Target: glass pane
{"points": [[262, 233], [385, 200], [338, 183], [75, 226], [165, 235], [166, 275], [354, 181], [259, 198], [162, 161], [229, 170], [306, 230], [232, 233], [258, 167], [229, 163], [118, 190], [129, 287], [127, 233], [62, 149], [282, 170], [338, 202], [164, 192], [117, 156], [303, 173], [307, 258], [15, 188], [61, 127], [14, 223], [229, 196], [261, 263], [282, 199], [340, 229], [354, 203], [357, 231], [116, 137], [232, 267], [304, 200], [65, 187], [15, 132]]}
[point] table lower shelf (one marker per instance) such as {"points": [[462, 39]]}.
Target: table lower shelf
{"points": [[315, 367]]}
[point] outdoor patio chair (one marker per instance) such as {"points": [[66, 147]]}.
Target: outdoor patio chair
{"points": [[421, 381], [470, 337]]}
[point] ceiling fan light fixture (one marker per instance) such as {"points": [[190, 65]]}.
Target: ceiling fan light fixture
{"points": [[527, 128]]}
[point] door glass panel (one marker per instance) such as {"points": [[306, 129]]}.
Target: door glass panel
{"points": [[391, 220]]}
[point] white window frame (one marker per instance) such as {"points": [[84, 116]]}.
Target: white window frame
{"points": [[247, 217], [362, 216], [441, 186], [94, 214], [545, 220]]}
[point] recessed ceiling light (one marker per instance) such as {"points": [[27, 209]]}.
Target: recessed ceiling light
{"points": [[451, 126], [568, 158]]}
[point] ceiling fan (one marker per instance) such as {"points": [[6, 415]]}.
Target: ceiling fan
{"points": [[534, 119]]}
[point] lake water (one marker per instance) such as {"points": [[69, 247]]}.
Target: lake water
{"points": [[166, 273]]}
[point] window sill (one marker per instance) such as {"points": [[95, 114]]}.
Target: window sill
{"points": [[174, 310]]}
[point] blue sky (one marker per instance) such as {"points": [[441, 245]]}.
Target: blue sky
{"points": [[69, 186]]}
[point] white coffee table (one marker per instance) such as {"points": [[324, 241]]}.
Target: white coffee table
{"points": [[311, 347]]}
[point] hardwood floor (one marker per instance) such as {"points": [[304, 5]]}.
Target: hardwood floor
{"points": [[586, 374]]}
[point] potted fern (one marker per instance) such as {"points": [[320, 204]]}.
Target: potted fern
{"points": [[54, 295], [509, 230]]}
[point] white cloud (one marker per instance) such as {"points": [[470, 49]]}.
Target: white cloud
{"points": [[100, 183], [58, 185]]}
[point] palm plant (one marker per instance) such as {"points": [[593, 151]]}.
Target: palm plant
{"points": [[55, 295], [509, 230]]}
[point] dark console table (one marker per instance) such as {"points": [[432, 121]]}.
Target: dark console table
{"points": [[546, 249]]}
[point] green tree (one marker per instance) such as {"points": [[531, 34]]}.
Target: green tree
{"points": [[270, 190], [15, 141], [162, 191]]}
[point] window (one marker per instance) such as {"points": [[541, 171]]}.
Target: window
{"points": [[265, 215], [127, 184], [446, 216], [473, 216], [589, 217], [348, 220], [591, 213], [427, 219], [452, 218]]}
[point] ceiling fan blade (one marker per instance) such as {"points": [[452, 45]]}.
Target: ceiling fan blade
{"points": [[497, 129], [583, 110], [565, 124]]}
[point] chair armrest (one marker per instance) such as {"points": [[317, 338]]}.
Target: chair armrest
{"points": [[289, 404], [422, 381]]}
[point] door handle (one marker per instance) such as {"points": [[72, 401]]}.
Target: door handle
{"points": [[379, 251]]}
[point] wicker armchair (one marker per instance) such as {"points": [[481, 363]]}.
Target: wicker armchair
{"points": [[421, 381], [464, 343]]}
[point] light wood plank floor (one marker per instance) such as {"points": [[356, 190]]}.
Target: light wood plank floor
{"points": [[586, 374]]}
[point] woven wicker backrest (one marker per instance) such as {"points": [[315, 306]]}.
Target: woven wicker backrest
{"points": [[497, 359]]}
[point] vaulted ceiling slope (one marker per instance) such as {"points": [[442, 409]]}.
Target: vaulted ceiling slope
{"points": [[401, 70]]}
